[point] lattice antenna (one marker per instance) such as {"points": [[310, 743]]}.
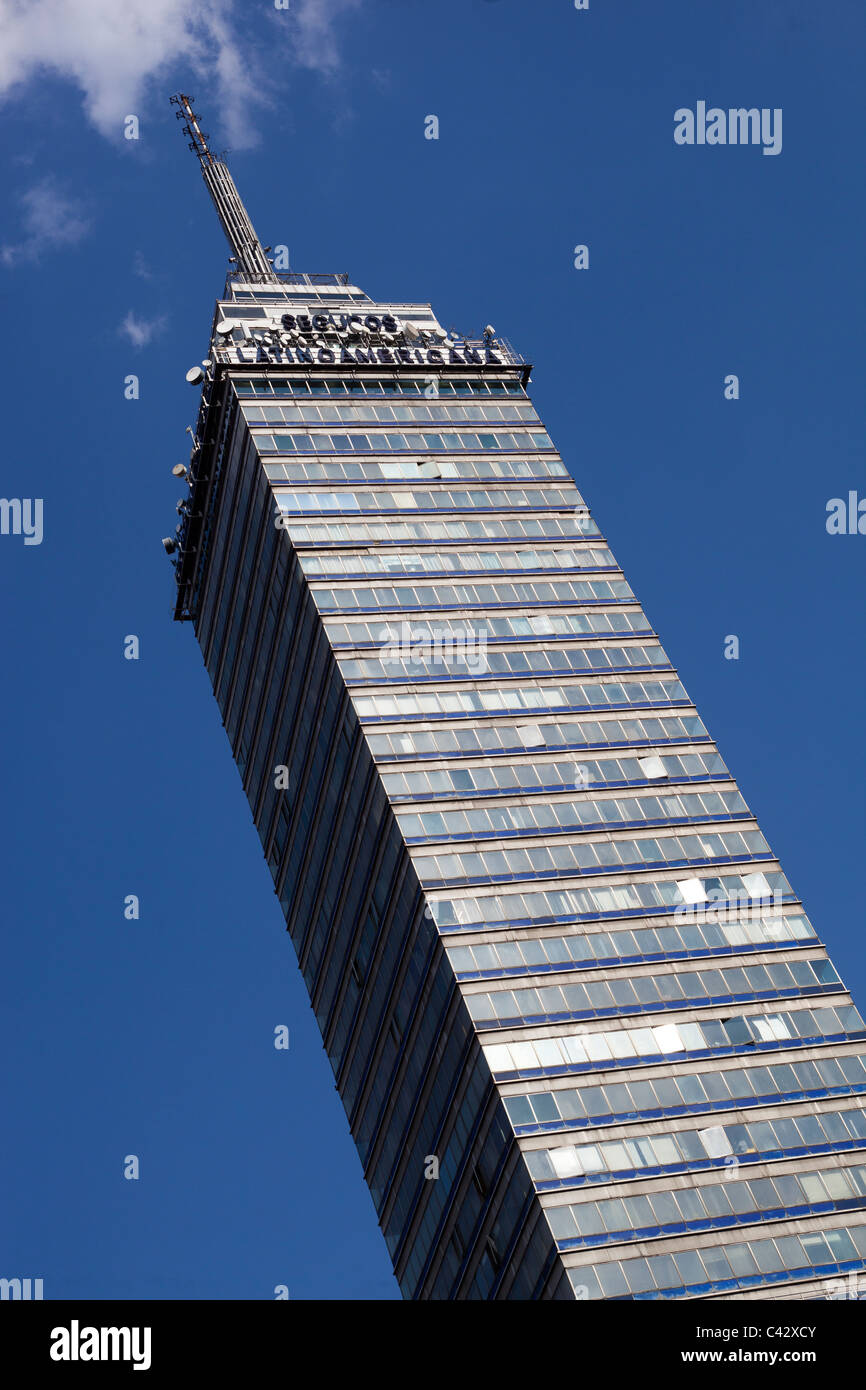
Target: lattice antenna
{"points": [[252, 262]]}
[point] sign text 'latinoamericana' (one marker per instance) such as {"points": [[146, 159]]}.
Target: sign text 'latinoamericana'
{"points": [[278, 342]]}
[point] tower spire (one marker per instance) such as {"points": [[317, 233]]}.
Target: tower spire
{"points": [[234, 218]]}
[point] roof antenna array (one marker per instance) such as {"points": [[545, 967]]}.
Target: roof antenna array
{"points": [[246, 248]]}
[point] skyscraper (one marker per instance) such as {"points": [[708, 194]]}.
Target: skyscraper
{"points": [[588, 1043]]}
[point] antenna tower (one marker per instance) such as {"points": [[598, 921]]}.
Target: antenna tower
{"points": [[252, 262]]}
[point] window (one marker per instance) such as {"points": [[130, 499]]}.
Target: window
{"points": [[530, 735], [478, 1181], [692, 890], [652, 767]]}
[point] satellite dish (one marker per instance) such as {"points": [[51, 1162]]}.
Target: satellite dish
{"points": [[179, 470], [224, 327], [207, 363], [194, 376]]}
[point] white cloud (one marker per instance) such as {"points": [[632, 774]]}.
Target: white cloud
{"points": [[115, 49], [49, 220], [141, 331], [109, 49], [317, 34]]}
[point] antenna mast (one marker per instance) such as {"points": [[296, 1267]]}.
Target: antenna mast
{"points": [[234, 218]]}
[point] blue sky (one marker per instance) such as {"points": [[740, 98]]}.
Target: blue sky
{"points": [[154, 1037]]}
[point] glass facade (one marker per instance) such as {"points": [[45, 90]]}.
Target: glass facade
{"points": [[588, 1043]]}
